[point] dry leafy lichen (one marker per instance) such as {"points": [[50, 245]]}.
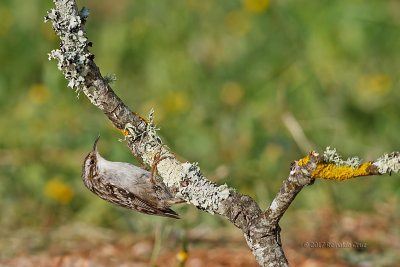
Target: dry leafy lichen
{"points": [[388, 163], [73, 56], [331, 156], [110, 78]]}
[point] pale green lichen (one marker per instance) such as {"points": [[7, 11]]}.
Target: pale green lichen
{"points": [[73, 56], [331, 156], [201, 192], [110, 78], [388, 163]]}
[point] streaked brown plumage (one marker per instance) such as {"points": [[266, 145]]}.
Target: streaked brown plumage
{"points": [[127, 185]]}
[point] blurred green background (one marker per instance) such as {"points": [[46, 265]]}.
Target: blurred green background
{"points": [[227, 80]]}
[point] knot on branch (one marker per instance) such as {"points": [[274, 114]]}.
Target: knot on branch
{"points": [[301, 173], [242, 211]]}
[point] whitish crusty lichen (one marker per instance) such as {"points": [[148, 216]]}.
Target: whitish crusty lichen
{"points": [[331, 156], [388, 163], [73, 56], [201, 192]]}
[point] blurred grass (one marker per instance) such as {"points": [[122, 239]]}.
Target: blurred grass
{"points": [[219, 76]]}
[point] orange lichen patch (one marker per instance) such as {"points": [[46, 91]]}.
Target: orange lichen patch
{"points": [[124, 132], [304, 160], [339, 173], [140, 118]]}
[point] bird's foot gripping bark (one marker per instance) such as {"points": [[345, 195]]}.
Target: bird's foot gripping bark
{"points": [[157, 159]]}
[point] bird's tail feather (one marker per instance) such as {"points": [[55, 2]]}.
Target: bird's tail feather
{"points": [[170, 214]]}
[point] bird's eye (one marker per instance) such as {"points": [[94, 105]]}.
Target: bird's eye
{"points": [[92, 162]]}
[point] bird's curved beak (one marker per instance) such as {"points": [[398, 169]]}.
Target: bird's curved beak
{"points": [[95, 143]]}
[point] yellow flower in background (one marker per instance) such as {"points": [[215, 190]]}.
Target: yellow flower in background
{"points": [[39, 94], [231, 93], [256, 6], [238, 23], [378, 84], [6, 20], [175, 103], [57, 189], [181, 256]]}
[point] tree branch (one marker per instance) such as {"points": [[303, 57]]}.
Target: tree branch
{"points": [[185, 180]]}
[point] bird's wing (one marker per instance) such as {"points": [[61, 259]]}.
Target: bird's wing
{"points": [[156, 194], [127, 199], [138, 182]]}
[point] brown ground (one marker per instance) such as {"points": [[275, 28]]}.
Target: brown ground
{"points": [[353, 240]]}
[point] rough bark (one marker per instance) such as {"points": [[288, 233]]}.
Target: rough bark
{"points": [[260, 228]]}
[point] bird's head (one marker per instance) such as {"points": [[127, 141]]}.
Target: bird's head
{"points": [[90, 166]]}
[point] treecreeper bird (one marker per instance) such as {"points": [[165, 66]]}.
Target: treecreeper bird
{"points": [[127, 185]]}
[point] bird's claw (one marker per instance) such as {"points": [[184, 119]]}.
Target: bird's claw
{"points": [[157, 159]]}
